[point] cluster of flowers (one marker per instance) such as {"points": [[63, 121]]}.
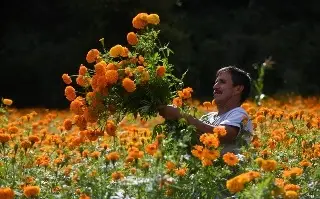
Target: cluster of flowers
{"points": [[124, 81]]}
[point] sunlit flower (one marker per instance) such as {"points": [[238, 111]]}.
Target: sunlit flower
{"points": [[66, 79], [116, 51], [153, 19], [132, 38], [128, 85], [6, 193], [31, 191], [7, 102], [92, 55], [230, 159], [161, 70], [70, 93]]}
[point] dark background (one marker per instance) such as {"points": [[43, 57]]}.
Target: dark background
{"points": [[41, 40]]}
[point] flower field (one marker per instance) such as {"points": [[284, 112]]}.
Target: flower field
{"points": [[112, 143]]}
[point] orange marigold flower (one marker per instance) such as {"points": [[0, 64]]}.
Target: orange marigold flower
{"points": [[6, 193], [31, 191], [111, 128], [112, 76], [177, 102], [66, 78], [90, 114], [151, 148], [95, 154], [161, 70], [82, 81], [113, 156], [124, 53], [4, 138], [305, 163], [7, 102], [181, 172], [33, 138], [230, 159], [207, 105], [25, 144], [70, 93], [82, 70], [100, 68], [153, 19], [220, 131], [76, 106], [291, 187], [128, 85], [117, 175], [111, 66], [140, 21], [92, 55], [132, 38], [80, 121], [210, 140], [67, 124], [235, 184], [116, 51], [170, 166], [84, 196]]}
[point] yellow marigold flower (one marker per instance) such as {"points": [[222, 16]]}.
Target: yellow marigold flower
{"points": [[259, 161], [117, 175], [269, 165], [145, 76], [4, 138], [132, 38], [92, 55], [128, 85], [230, 159], [31, 191], [66, 78], [153, 19], [116, 51], [70, 93], [112, 76], [6, 193], [161, 70], [7, 102], [291, 195]]}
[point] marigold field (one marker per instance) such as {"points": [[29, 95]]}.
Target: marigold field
{"points": [[112, 143], [41, 159]]}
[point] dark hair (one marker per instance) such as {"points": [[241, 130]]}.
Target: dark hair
{"points": [[239, 77]]}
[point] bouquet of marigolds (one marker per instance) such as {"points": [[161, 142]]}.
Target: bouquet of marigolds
{"points": [[125, 80]]}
